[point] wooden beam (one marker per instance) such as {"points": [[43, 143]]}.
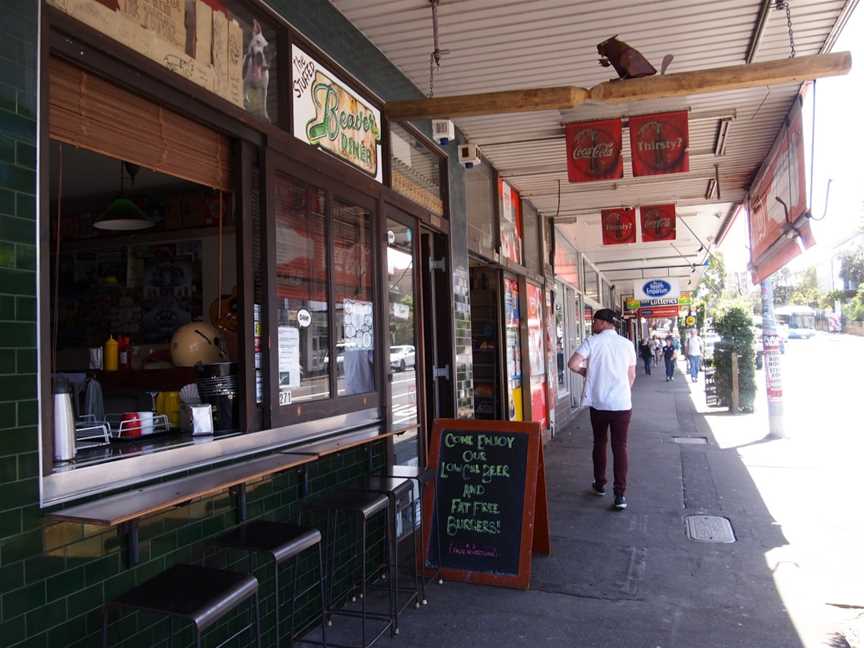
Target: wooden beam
{"points": [[488, 103], [734, 77]]}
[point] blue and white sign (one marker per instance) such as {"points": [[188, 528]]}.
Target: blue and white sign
{"points": [[656, 288]]}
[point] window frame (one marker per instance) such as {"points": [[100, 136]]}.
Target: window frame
{"points": [[284, 415]]}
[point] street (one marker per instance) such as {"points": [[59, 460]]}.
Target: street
{"points": [[811, 481]]}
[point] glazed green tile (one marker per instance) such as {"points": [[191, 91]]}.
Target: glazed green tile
{"points": [[26, 100], [7, 202], [32, 518], [47, 616], [66, 583], [28, 413], [28, 465], [21, 547], [163, 544], [7, 149], [7, 307], [101, 569], [17, 387], [10, 523], [17, 127], [25, 307], [41, 567], [8, 469], [11, 577], [15, 177], [26, 361], [119, 584], [16, 282], [23, 600], [15, 440], [86, 600], [25, 155], [8, 98], [7, 255], [25, 257], [25, 206], [13, 632], [8, 418], [7, 361], [65, 633]]}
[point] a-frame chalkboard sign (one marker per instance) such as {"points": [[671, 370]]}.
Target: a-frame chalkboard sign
{"points": [[486, 510]]}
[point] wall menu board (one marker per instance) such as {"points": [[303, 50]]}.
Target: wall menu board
{"points": [[486, 511]]}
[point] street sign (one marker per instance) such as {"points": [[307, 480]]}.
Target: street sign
{"points": [[690, 321]]}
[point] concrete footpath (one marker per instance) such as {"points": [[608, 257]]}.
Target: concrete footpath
{"points": [[631, 579]]}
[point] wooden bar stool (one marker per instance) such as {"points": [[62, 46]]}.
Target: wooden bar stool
{"points": [[200, 595], [282, 542], [361, 507], [400, 493]]}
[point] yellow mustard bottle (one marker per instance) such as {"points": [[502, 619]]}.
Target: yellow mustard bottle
{"points": [[111, 354]]}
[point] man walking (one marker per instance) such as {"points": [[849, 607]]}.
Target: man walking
{"points": [[608, 363], [695, 349], [646, 353], [669, 359]]}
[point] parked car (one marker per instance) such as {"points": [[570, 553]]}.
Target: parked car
{"points": [[401, 357]]}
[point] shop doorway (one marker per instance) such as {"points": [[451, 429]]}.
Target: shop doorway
{"points": [[437, 326]]}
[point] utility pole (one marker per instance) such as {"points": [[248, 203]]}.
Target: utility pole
{"points": [[771, 359]]}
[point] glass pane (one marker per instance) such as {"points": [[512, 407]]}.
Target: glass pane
{"points": [[512, 320], [531, 220], [560, 331], [415, 170], [592, 283], [566, 261], [301, 291], [511, 222], [536, 359], [402, 332], [355, 320], [480, 201]]}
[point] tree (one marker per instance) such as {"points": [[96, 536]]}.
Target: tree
{"points": [[735, 326], [852, 268], [713, 281], [805, 291]]}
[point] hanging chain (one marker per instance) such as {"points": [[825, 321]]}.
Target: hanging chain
{"points": [[787, 5], [437, 52]]}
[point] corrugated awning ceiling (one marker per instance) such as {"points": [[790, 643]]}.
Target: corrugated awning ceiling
{"points": [[510, 44]]}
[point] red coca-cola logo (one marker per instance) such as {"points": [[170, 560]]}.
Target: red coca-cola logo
{"points": [[598, 148]]}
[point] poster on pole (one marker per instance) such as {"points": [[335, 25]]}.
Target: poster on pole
{"points": [[777, 200]]}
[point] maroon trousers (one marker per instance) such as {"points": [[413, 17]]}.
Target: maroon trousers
{"points": [[619, 422]]}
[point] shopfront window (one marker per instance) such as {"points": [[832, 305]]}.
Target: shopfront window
{"points": [[513, 348], [415, 171], [353, 279], [480, 202], [510, 212], [560, 339], [301, 291], [531, 220], [567, 262], [592, 282]]}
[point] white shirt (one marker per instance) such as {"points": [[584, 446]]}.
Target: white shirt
{"points": [[609, 357], [694, 346]]}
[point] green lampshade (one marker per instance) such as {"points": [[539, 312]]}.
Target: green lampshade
{"points": [[123, 215]]}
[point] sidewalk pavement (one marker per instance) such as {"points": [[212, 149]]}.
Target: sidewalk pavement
{"points": [[632, 579]]}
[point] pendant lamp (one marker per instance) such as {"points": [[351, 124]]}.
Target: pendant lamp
{"points": [[123, 214]]}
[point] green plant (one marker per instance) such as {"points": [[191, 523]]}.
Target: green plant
{"points": [[735, 327], [854, 310]]}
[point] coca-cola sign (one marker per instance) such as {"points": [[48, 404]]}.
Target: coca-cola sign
{"points": [[619, 226], [660, 143], [594, 150], [658, 222]]}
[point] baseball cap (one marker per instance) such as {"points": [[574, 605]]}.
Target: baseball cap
{"points": [[607, 315]]}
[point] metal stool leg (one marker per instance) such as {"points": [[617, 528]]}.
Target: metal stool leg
{"points": [[323, 603], [393, 563], [390, 532], [278, 607], [363, 578], [105, 626], [258, 621], [415, 533], [294, 562]]}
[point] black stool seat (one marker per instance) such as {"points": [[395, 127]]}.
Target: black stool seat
{"points": [[280, 539], [202, 595], [396, 485], [364, 503], [422, 474]]}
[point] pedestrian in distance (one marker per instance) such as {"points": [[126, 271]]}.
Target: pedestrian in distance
{"points": [[647, 354], [669, 358], [658, 350], [608, 363], [695, 350]]}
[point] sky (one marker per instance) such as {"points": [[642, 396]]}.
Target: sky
{"points": [[839, 146]]}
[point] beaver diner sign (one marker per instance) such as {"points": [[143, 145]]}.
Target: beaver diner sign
{"points": [[329, 115], [594, 150]]}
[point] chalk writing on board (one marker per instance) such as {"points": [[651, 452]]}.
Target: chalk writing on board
{"points": [[480, 485]]}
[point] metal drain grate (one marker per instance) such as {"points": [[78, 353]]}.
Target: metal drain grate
{"points": [[690, 440], [709, 528]]}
